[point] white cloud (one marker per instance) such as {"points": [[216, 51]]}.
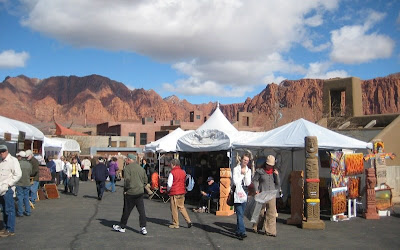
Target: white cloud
{"points": [[320, 70], [12, 59], [352, 44], [314, 21]]}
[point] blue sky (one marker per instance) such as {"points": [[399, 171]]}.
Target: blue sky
{"points": [[221, 50]]}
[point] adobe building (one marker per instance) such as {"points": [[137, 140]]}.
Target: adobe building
{"points": [[148, 130], [343, 111]]}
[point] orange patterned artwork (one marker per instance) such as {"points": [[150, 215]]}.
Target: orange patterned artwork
{"points": [[354, 188], [354, 164], [339, 202]]}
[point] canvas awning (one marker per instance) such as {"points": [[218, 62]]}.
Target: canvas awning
{"points": [[166, 143], [13, 127]]}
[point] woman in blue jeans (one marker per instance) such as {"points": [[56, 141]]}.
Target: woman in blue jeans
{"points": [[112, 171], [241, 177]]}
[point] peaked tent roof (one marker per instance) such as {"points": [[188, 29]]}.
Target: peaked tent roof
{"points": [[166, 143], [215, 134], [61, 130], [13, 127], [292, 135]]}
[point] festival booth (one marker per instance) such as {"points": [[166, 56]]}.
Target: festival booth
{"points": [[287, 144], [164, 148], [58, 147], [19, 135]]}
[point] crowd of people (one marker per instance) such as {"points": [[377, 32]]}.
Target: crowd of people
{"points": [[21, 175]]}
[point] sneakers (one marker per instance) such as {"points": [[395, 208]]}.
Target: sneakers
{"points": [[173, 226], [119, 229], [199, 210], [190, 224], [144, 231], [6, 234]]}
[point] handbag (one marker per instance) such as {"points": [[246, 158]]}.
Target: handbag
{"points": [[230, 199]]}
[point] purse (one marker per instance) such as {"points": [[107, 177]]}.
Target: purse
{"points": [[230, 199]]}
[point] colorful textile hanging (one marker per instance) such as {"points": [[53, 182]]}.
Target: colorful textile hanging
{"points": [[354, 164], [339, 202], [338, 169], [354, 188]]}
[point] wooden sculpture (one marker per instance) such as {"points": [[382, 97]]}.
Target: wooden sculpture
{"points": [[224, 189]]}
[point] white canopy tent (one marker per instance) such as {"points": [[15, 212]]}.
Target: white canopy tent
{"points": [[216, 134], [57, 146], [166, 143], [286, 143], [292, 135], [13, 127]]}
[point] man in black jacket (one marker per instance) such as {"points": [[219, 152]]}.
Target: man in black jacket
{"points": [[100, 174]]}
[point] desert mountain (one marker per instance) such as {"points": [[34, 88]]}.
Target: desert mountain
{"points": [[99, 99]]}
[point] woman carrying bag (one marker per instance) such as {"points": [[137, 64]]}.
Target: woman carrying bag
{"points": [[241, 179], [267, 179]]}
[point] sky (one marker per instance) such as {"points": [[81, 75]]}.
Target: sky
{"points": [[201, 51]]}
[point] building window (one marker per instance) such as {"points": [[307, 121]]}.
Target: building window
{"points": [[143, 138], [134, 137], [122, 144], [198, 117]]}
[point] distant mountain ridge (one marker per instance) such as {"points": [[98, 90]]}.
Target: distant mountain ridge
{"points": [[94, 99]]}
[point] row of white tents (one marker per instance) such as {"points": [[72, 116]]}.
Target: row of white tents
{"points": [[285, 142], [217, 133], [54, 145]]}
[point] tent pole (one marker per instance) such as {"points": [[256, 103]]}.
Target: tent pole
{"points": [[159, 170], [292, 159]]}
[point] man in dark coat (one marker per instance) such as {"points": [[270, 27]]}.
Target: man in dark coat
{"points": [[100, 174]]}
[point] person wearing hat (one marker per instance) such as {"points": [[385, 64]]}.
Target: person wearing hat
{"points": [[10, 174], [23, 186], [267, 179], [210, 192], [35, 175], [135, 179], [177, 190], [100, 174]]}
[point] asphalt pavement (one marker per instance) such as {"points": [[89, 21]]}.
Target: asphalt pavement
{"points": [[83, 222]]}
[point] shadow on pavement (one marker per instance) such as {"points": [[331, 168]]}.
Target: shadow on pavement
{"points": [[228, 228], [159, 221], [110, 223], [90, 197]]}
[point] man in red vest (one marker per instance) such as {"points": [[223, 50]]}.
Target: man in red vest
{"points": [[176, 188]]}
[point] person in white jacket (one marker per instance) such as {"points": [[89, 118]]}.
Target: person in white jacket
{"points": [[10, 173], [241, 176], [67, 167]]}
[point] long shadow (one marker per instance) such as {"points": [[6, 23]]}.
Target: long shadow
{"points": [[228, 229], [89, 196], [158, 221], [110, 223]]}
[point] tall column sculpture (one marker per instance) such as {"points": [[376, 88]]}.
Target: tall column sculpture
{"points": [[224, 189], [297, 198], [313, 220], [370, 211]]}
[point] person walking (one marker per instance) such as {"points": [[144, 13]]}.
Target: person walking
{"points": [[10, 174], [112, 170], [177, 190], [267, 179], [23, 186], [73, 176], [86, 164], [99, 174], [67, 174], [135, 179], [241, 177]]}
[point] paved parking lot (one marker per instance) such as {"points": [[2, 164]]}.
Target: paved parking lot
{"points": [[83, 222]]}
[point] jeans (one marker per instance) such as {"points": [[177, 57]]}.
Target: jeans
{"points": [[100, 188], [111, 183], [23, 200], [66, 184], [34, 189], [239, 209], [8, 208], [131, 201]]}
